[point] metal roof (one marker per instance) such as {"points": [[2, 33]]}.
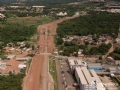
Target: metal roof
{"points": [[87, 75], [99, 83], [95, 76], [112, 68], [75, 61], [81, 76], [94, 66]]}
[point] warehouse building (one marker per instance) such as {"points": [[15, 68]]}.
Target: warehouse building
{"points": [[23, 59], [88, 80], [97, 66], [114, 70], [80, 78], [75, 62]]}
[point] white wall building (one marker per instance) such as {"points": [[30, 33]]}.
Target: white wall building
{"points": [[75, 62], [23, 59], [21, 66], [88, 80]]}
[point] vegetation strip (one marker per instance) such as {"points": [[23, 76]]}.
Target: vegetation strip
{"points": [[52, 69]]}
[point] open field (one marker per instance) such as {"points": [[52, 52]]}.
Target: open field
{"points": [[29, 20], [52, 70]]}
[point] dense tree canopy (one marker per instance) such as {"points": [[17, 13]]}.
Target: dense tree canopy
{"points": [[16, 32], [95, 23], [11, 82], [116, 54], [102, 49]]}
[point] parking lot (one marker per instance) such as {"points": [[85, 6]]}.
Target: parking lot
{"points": [[65, 79]]}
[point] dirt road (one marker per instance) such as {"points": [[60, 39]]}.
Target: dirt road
{"points": [[39, 65], [32, 79], [109, 51]]}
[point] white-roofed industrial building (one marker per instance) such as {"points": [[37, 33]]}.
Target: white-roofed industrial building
{"points": [[88, 80], [99, 84], [75, 62], [80, 78], [95, 66], [23, 59]]}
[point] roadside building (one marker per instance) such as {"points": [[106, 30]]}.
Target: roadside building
{"points": [[88, 80], [38, 6], [61, 14], [117, 62], [23, 59], [97, 66], [80, 51], [99, 84], [2, 65], [75, 62], [21, 66], [55, 52], [80, 78], [112, 69]]}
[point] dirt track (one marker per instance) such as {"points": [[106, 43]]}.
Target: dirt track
{"points": [[32, 79]]}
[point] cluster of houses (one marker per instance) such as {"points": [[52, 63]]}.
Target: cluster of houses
{"points": [[16, 58], [110, 7], [91, 39], [22, 9], [2, 15], [20, 48]]}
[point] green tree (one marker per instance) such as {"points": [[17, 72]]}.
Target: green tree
{"points": [[100, 57], [59, 41]]}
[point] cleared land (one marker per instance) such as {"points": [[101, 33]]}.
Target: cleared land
{"points": [[29, 20]]}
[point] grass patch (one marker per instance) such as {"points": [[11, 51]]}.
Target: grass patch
{"points": [[30, 20], [52, 69], [3, 55], [40, 79], [28, 65]]}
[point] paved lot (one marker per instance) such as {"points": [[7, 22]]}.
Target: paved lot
{"points": [[61, 86], [68, 77]]}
